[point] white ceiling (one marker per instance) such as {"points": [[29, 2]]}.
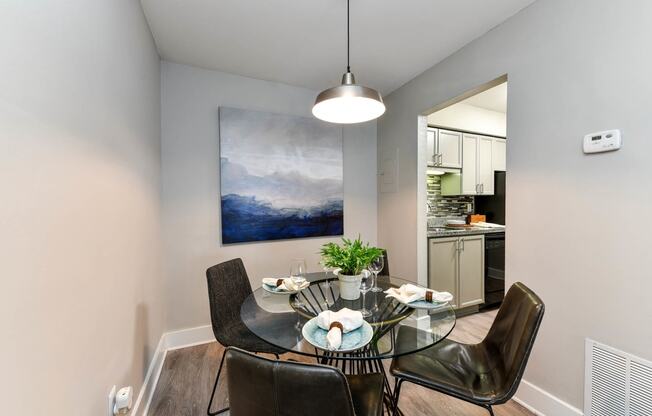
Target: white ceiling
{"points": [[303, 42], [494, 99]]}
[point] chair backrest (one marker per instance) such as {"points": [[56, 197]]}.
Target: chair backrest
{"points": [[228, 287], [385, 271], [512, 335], [262, 387]]}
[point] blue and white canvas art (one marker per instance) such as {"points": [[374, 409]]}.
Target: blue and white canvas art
{"points": [[281, 176]]}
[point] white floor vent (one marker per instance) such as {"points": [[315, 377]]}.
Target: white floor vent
{"points": [[617, 383]]}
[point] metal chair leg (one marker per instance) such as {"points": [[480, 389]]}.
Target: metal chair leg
{"points": [[397, 390], [488, 407], [217, 379]]}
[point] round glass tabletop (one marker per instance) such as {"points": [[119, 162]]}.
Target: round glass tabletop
{"points": [[397, 328]]}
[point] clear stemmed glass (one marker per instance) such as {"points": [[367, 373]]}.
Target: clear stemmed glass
{"points": [[297, 271], [365, 286], [375, 267], [325, 285]]}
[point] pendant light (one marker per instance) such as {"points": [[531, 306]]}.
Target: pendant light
{"points": [[348, 103]]}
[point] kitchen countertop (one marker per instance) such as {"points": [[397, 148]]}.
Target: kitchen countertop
{"points": [[449, 232]]}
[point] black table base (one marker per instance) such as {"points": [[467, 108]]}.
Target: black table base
{"points": [[363, 362]]}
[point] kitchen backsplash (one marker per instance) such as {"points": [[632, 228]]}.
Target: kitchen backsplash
{"points": [[445, 206]]}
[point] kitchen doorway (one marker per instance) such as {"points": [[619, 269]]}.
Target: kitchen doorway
{"points": [[461, 190]]}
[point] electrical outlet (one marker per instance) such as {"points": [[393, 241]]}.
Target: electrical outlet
{"points": [[111, 402]]}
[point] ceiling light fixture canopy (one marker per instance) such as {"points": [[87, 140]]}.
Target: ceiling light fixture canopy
{"points": [[348, 103]]}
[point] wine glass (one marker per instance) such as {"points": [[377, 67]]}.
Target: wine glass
{"points": [[325, 284], [297, 271], [365, 286], [375, 267]]}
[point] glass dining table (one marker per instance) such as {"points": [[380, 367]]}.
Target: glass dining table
{"points": [[397, 328]]}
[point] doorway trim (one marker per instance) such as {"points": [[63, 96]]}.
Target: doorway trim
{"points": [[422, 195]]}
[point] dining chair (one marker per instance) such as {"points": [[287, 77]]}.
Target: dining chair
{"points": [[262, 387], [484, 374], [385, 271], [228, 287]]}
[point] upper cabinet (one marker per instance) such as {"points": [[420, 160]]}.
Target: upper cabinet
{"points": [[485, 175], [477, 176], [470, 164], [499, 154], [477, 165], [444, 148]]}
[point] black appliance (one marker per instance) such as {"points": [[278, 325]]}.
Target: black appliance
{"points": [[493, 206], [494, 269]]}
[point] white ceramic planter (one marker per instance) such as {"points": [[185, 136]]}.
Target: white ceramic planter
{"points": [[349, 286]]}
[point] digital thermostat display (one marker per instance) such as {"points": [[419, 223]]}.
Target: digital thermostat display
{"points": [[604, 141]]}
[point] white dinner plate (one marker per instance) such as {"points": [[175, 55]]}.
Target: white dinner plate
{"points": [[351, 341], [276, 291]]}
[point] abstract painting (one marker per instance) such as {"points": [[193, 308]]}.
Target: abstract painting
{"points": [[281, 176]]}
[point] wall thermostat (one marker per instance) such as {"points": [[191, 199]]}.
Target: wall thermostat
{"points": [[602, 141]]}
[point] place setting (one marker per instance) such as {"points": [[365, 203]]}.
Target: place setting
{"points": [[418, 297], [341, 331], [291, 285]]}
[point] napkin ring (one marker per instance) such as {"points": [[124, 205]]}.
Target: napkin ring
{"points": [[428, 295], [336, 325], [279, 282]]}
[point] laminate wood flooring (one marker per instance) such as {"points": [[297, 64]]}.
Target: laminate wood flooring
{"points": [[186, 380]]}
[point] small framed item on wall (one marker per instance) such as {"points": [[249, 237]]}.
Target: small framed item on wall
{"points": [[281, 176]]}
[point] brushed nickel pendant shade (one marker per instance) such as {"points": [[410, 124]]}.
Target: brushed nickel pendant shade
{"points": [[349, 102]]}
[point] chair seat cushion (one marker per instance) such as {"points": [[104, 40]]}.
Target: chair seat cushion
{"points": [[464, 371], [367, 393], [238, 335]]}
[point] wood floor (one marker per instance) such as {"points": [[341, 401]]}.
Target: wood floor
{"points": [[187, 378]]}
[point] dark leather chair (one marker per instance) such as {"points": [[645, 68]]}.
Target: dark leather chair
{"points": [[228, 287], [484, 374], [385, 271], [262, 387]]}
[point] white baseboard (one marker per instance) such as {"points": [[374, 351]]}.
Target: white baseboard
{"points": [[188, 337], [533, 398], [542, 403], [151, 379], [169, 341]]}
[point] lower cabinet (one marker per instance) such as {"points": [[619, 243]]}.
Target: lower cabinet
{"points": [[456, 265]]}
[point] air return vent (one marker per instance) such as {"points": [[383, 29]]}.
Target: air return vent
{"points": [[617, 383]]}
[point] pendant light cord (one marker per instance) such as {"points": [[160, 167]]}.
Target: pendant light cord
{"points": [[348, 38]]}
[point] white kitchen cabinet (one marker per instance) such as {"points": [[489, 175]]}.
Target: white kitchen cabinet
{"points": [[442, 266], [470, 289], [449, 147], [444, 148], [469, 164], [477, 165], [499, 154], [431, 145], [485, 171], [456, 265]]}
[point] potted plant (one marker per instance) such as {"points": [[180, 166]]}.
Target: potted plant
{"points": [[349, 261]]}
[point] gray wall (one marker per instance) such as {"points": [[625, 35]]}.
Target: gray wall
{"points": [[191, 193], [81, 298], [576, 230]]}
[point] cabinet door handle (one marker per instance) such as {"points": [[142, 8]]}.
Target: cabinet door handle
{"points": [[441, 159], [482, 188], [461, 245]]}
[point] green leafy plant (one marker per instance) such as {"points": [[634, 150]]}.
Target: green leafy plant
{"points": [[351, 257]]}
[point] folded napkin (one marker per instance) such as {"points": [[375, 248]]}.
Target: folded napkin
{"points": [[286, 284], [343, 321], [411, 293]]}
